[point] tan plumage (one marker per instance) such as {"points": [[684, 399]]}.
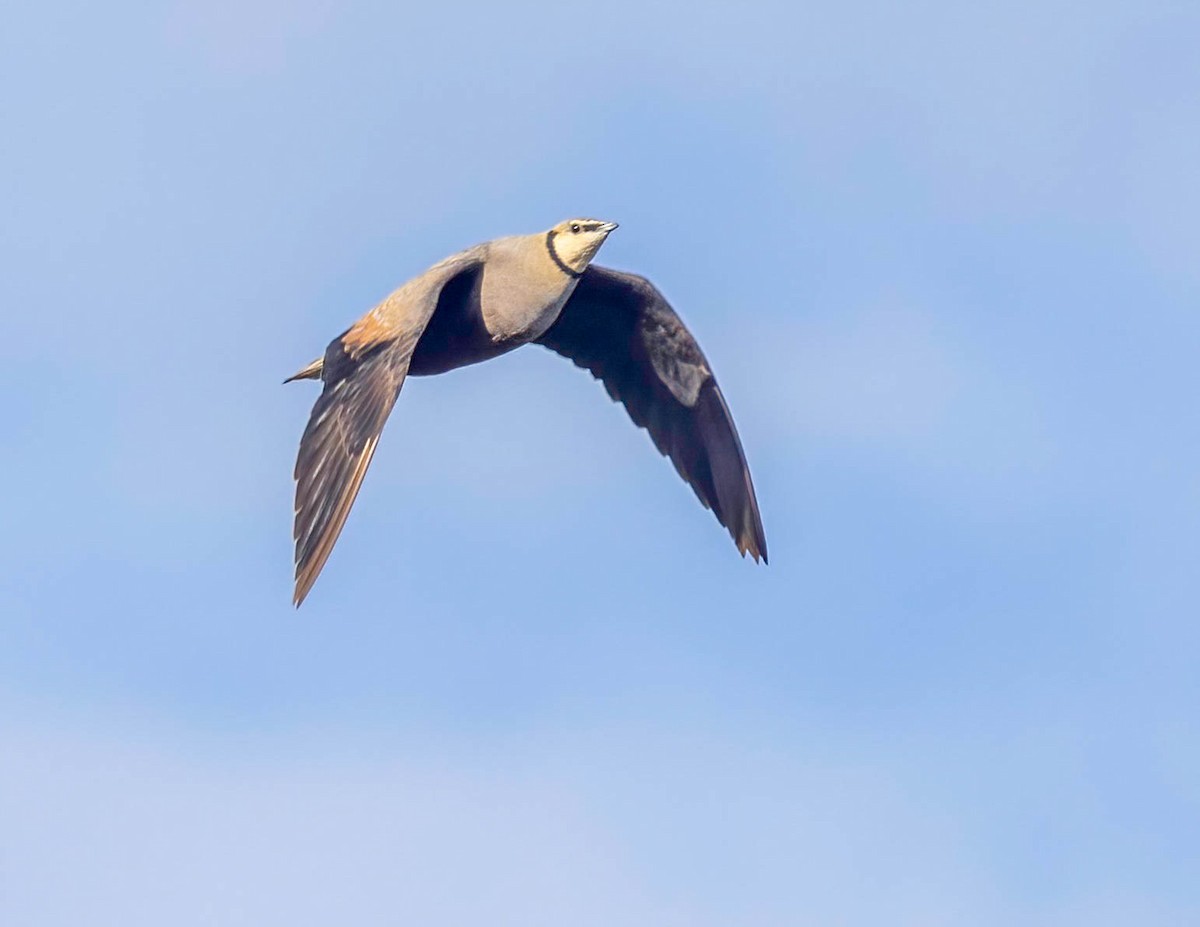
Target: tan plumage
{"points": [[486, 301]]}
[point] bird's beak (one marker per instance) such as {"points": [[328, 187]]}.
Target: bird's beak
{"points": [[608, 227]]}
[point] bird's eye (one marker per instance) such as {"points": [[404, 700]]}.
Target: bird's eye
{"points": [[575, 228]]}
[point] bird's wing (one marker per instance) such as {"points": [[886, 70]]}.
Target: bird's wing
{"points": [[619, 327], [363, 371]]}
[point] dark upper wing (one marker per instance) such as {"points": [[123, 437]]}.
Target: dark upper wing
{"points": [[363, 370], [619, 327]]}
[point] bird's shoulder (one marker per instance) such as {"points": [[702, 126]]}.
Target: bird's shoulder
{"points": [[406, 310]]}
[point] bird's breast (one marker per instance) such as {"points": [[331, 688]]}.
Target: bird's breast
{"points": [[519, 307]]}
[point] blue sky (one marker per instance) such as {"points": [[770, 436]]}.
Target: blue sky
{"points": [[944, 260]]}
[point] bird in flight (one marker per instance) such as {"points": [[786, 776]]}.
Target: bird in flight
{"points": [[484, 302]]}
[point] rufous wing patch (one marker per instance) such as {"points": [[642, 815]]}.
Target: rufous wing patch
{"points": [[366, 333]]}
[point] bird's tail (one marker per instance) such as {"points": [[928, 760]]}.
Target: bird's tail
{"points": [[311, 372]]}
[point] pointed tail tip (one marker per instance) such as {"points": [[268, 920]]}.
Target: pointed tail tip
{"points": [[310, 372]]}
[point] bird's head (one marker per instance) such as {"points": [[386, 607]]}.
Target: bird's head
{"points": [[574, 243]]}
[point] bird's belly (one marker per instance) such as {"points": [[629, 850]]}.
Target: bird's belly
{"points": [[483, 328], [437, 355]]}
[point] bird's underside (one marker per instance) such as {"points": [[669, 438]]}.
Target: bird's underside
{"points": [[615, 325]]}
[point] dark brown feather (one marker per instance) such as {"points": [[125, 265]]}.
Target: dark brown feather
{"points": [[619, 327], [343, 431]]}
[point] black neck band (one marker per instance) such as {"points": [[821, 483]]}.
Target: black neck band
{"points": [[557, 260]]}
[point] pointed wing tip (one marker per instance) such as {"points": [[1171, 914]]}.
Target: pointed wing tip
{"points": [[310, 564], [306, 577], [755, 547], [756, 556], [303, 586]]}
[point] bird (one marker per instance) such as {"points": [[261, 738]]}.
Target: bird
{"points": [[491, 299]]}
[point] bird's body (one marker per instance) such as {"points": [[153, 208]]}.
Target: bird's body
{"points": [[491, 299], [510, 297]]}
